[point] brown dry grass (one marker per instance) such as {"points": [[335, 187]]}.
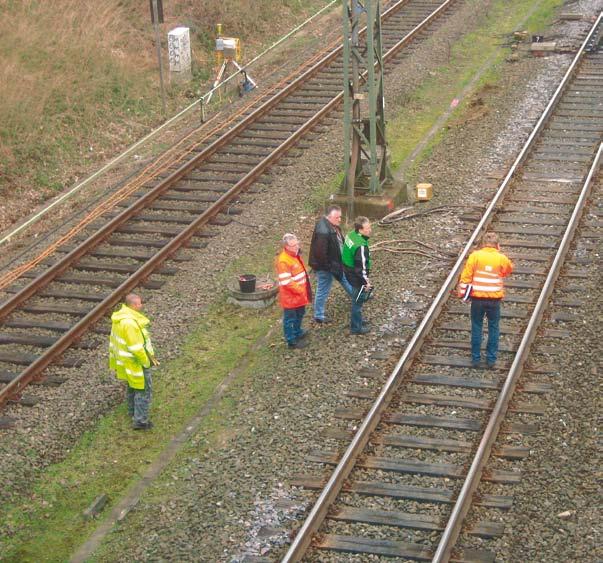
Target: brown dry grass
{"points": [[78, 80], [64, 64]]}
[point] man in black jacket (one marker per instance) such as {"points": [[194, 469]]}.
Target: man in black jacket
{"points": [[325, 259]]}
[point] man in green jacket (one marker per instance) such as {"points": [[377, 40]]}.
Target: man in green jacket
{"points": [[131, 355], [357, 265]]}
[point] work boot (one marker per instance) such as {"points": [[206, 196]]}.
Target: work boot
{"points": [[476, 364], [142, 425], [363, 330], [322, 321]]}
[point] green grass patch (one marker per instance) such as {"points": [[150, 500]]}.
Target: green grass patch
{"points": [[218, 429], [425, 105], [317, 200], [49, 525]]}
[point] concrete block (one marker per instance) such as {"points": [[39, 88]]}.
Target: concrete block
{"points": [[179, 50], [264, 295], [373, 206]]}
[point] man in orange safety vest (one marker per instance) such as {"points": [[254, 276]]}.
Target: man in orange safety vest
{"points": [[294, 290], [482, 282]]}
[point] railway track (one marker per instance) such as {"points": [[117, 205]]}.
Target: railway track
{"points": [[413, 454], [51, 308]]}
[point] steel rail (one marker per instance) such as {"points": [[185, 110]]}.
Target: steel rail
{"points": [[65, 341], [347, 461], [463, 503], [94, 240], [77, 331]]}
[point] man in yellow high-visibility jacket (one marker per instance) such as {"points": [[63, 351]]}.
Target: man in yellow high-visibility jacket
{"points": [[131, 355]]}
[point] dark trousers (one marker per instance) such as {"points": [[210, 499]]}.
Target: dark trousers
{"points": [[292, 321], [324, 281], [356, 313], [490, 308], [139, 400]]}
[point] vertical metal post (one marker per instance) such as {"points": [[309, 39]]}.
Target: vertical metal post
{"points": [[352, 10], [384, 171], [374, 183], [347, 92], [359, 141], [202, 106], [158, 47]]}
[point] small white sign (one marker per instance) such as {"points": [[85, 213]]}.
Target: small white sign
{"points": [[179, 49]]}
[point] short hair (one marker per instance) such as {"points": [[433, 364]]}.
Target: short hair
{"points": [[288, 237], [490, 239], [131, 298], [359, 222], [332, 208]]}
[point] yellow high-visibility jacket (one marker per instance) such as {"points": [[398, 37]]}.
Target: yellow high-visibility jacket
{"points": [[484, 270], [130, 347]]}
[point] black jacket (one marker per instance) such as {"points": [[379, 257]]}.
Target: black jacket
{"points": [[325, 248]]}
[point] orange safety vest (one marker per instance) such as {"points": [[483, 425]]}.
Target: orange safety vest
{"points": [[484, 270], [293, 282]]}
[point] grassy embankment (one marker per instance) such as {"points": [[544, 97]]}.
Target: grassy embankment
{"points": [[49, 526], [78, 80], [74, 81], [427, 103]]}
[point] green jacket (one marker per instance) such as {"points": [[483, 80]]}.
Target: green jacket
{"points": [[355, 259], [130, 348]]}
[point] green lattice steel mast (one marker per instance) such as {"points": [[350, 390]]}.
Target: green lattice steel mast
{"points": [[363, 79]]}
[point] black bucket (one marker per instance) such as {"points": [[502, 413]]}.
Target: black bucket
{"points": [[247, 283]]}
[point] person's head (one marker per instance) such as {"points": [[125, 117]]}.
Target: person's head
{"points": [[291, 243], [362, 225], [490, 239], [334, 215], [134, 301]]}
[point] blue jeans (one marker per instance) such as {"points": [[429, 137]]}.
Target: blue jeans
{"points": [[356, 316], [324, 281], [139, 400], [491, 309], [292, 321]]}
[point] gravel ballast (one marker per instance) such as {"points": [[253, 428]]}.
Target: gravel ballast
{"points": [[234, 501]]}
